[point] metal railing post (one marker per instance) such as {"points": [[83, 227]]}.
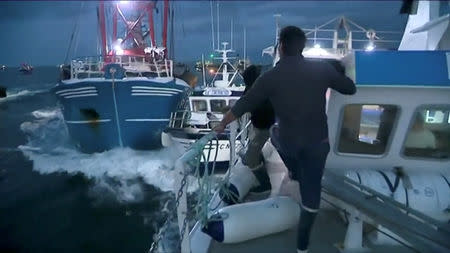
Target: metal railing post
{"points": [[166, 67], [72, 70], [182, 119], [182, 207], [157, 69], [233, 133], [353, 236]]}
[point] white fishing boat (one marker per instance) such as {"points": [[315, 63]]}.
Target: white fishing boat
{"points": [[209, 102], [386, 186], [207, 106]]}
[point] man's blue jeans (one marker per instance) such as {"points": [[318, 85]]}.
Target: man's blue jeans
{"points": [[306, 165]]}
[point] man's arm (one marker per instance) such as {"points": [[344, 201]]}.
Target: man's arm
{"points": [[250, 101], [227, 119], [339, 81]]}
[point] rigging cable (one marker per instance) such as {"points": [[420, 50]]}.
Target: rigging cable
{"points": [[77, 32], [74, 31]]}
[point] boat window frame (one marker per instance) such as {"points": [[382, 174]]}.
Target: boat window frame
{"points": [[411, 121], [388, 147], [200, 99], [219, 99]]}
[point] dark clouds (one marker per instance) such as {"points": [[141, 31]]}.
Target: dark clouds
{"points": [[39, 32]]}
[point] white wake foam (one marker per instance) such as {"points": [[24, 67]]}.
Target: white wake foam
{"points": [[50, 150]]}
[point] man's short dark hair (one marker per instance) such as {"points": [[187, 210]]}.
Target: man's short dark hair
{"points": [[292, 40], [250, 74]]}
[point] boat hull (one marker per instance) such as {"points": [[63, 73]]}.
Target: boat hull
{"points": [[101, 114], [218, 150]]}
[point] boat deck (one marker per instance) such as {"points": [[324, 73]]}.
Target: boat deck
{"points": [[328, 230], [358, 203], [327, 235]]}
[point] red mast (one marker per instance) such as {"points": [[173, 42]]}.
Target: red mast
{"points": [[102, 26], [166, 15], [133, 27], [115, 25]]}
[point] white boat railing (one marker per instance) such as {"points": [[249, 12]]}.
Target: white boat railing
{"points": [[134, 66], [182, 119], [179, 119]]}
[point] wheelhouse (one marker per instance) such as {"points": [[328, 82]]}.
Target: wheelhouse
{"points": [[400, 115]]}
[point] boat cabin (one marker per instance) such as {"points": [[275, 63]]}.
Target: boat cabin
{"points": [[400, 115]]}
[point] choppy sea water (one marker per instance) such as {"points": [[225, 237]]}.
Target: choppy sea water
{"points": [[55, 199]]}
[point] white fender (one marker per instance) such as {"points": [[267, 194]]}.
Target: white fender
{"points": [[282, 184], [251, 220], [166, 140], [275, 167], [428, 193], [241, 181]]}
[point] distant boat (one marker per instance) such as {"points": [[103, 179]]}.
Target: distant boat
{"points": [[124, 97], [3, 67], [25, 68]]}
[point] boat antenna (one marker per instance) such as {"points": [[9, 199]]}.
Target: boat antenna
{"points": [[203, 70], [218, 27], [212, 25], [245, 47], [231, 39], [277, 31]]}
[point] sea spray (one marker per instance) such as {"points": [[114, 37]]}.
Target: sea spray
{"points": [[50, 148]]}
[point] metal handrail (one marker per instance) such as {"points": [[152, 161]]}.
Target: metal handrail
{"points": [[184, 119], [93, 66], [421, 231], [182, 167], [408, 210]]}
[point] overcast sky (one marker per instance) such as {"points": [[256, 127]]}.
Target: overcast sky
{"points": [[39, 32]]}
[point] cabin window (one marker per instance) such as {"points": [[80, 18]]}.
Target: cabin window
{"points": [[232, 102], [429, 133], [366, 129], [218, 105], [199, 106]]}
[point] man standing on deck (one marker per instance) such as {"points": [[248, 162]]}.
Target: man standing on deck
{"points": [[296, 89], [262, 119]]}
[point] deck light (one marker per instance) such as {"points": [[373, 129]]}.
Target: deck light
{"points": [[118, 47], [315, 51], [370, 47]]}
